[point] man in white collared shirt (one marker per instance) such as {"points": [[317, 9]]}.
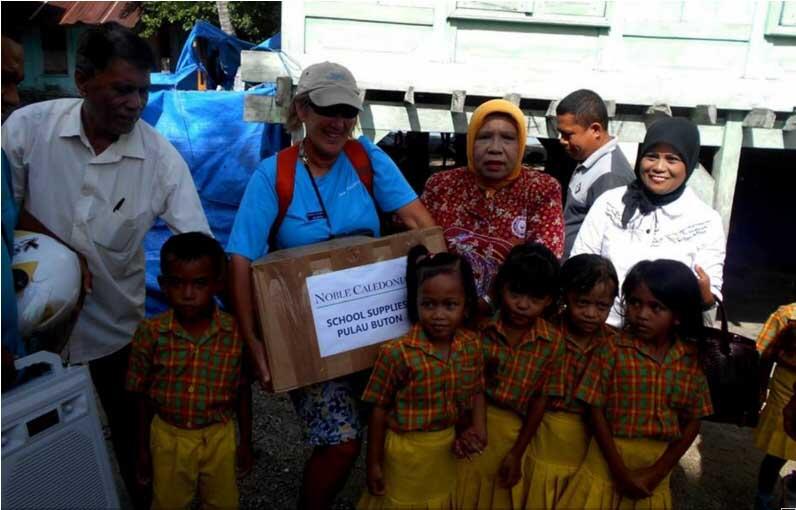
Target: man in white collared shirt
{"points": [[97, 178], [583, 125]]}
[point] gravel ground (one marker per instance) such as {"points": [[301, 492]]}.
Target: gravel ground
{"points": [[718, 472]]}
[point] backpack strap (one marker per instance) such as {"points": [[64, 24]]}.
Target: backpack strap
{"points": [[285, 182], [286, 160]]}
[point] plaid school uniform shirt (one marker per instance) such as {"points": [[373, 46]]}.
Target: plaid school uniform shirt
{"points": [[421, 390], [641, 397], [515, 374], [568, 369], [192, 381], [776, 323]]}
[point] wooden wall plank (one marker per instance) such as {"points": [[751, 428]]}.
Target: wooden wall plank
{"points": [[725, 170]]}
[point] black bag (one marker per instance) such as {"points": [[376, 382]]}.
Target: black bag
{"points": [[733, 369]]}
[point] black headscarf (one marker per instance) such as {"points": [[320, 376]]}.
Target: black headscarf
{"points": [[683, 135]]}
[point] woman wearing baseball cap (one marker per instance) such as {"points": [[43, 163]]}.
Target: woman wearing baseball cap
{"points": [[332, 197]]}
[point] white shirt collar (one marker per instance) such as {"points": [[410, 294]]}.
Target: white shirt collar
{"points": [[589, 162], [130, 145]]}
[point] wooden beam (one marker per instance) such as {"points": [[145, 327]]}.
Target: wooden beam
{"points": [[379, 118], [704, 114], [457, 101], [409, 95], [550, 121], [725, 170], [262, 66], [703, 184], [760, 118], [610, 105], [513, 98], [655, 112]]}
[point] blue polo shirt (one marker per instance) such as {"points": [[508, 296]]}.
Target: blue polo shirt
{"points": [[349, 206]]}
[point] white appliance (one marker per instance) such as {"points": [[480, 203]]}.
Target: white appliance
{"points": [[53, 450]]}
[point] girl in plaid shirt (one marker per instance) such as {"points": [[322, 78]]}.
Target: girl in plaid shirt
{"points": [[518, 345], [647, 393], [589, 286], [777, 343], [422, 385]]}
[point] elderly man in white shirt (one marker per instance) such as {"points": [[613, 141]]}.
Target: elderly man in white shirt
{"points": [[97, 178]]}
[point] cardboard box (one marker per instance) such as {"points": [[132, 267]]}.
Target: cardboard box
{"points": [[285, 308]]}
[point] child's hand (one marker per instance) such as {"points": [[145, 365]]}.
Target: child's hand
{"points": [[649, 477], [633, 486], [260, 363], [245, 460], [458, 449], [704, 285], [472, 441], [143, 468], [376, 480], [510, 470]]}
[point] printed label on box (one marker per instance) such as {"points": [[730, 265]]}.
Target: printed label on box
{"points": [[360, 306]]}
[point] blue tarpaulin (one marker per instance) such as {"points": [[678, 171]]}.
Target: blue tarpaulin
{"points": [[221, 150], [221, 55]]}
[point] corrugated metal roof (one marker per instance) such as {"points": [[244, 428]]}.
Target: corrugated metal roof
{"points": [[124, 13]]}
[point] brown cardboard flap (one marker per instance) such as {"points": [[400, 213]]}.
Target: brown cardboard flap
{"points": [[284, 309]]}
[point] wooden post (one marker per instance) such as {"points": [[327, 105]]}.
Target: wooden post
{"points": [[704, 114], [409, 95], [513, 98], [725, 169], [552, 119], [760, 118], [458, 117], [655, 112]]}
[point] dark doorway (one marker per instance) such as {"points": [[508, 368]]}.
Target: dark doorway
{"points": [[760, 268]]}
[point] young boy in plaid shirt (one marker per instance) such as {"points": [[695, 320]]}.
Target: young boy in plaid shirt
{"points": [[185, 367]]}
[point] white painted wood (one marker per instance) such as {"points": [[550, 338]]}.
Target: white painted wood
{"points": [[630, 130], [457, 101], [760, 118], [263, 66], [781, 20], [459, 54], [370, 11], [322, 34], [705, 114], [703, 184], [630, 150], [758, 59], [725, 170]]}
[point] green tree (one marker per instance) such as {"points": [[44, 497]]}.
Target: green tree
{"points": [[253, 21]]}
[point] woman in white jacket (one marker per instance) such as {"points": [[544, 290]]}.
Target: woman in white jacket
{"points": [[657, 216]]}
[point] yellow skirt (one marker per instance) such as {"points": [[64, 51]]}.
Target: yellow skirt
{"points": [[770, 433], [592, 486], [555, 453], [477, 485], [419, 472]]}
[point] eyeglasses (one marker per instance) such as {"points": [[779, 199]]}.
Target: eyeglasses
{"points": [[336, 110]]}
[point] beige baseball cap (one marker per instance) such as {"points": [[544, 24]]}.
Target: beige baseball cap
{"points": [[329, 84]]}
